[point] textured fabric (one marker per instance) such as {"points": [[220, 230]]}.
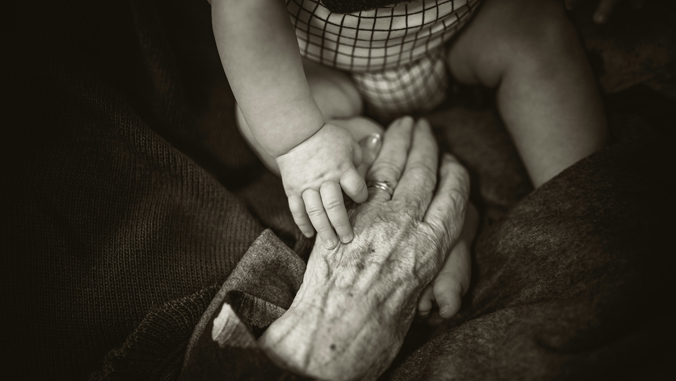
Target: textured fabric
{"points": [[128, 199], [155, 350], [347, 6], [415, 88], [124, 180], [568, 284], [572, 282], [395, 52], [257, 293]]}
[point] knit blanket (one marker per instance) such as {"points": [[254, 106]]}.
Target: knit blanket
{"points": [[131, 207]]}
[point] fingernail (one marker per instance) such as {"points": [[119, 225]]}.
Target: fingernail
{"points": [[443, 310], [373, 141], [371, 145], [346, 239], [329, 243]]}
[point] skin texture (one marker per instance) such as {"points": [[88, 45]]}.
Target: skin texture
{"points": [[317, 162], [546, 92], [357, 301], [529, 52], [313, 174], [340, 102]]}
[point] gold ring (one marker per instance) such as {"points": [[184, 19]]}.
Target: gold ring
{"points": [[382, 185]]}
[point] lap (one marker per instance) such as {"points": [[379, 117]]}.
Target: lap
{"points": [[566, 279]]}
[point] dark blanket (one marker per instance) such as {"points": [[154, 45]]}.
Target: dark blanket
{"points": [[128, 198]]}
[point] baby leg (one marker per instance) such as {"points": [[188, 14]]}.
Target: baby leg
{"points": [[546, 92], [337, 99]]}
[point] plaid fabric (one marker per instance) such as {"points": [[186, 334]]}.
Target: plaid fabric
{"points": [[395, 53]]}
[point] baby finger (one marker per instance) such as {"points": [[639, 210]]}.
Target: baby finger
{"points": [[354, 185], [315, 210], [300, 217], [332, 197]]}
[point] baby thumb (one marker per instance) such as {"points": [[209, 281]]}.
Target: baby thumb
{"points": [[370, 146]]}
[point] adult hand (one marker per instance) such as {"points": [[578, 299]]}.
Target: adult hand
{"points": [[357, 301]]}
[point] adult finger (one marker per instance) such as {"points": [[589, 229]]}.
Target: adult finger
{"points": [[299, 216], [603, 10], [354, 185], [446, 212], [420, 174], [332, 198], [390, 162], [370, 147], [315, 210]]}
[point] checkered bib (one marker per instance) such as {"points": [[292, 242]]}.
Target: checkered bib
{"points": [[395, 54]]}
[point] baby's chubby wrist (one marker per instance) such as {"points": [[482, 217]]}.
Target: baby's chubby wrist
{"points": [[280, 151], [281, 131]]}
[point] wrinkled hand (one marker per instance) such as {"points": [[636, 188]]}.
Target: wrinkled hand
{"points": [[357, 301], [604, 8], [314, 173]]}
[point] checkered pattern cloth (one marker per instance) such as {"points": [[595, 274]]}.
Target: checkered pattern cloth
{"points": [[395, 53]]}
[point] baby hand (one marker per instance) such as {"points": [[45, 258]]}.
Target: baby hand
{"points": [[313, 174], [604, 8]]}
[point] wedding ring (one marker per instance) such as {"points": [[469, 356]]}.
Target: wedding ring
{"points": [[382, 185]]}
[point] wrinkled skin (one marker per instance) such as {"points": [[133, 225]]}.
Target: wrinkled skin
{"points": [[357, 301]]}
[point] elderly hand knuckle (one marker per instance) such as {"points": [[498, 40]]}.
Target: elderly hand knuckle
{"points": [[387, 168], [412, 213], [424, 170]]}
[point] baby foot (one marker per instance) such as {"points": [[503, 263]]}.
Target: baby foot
{"points": [[451, 283]]}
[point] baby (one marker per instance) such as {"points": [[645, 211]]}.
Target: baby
{"points": [[300, 108]]}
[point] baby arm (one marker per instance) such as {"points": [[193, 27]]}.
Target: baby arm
{"points": [[260, 57]]}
